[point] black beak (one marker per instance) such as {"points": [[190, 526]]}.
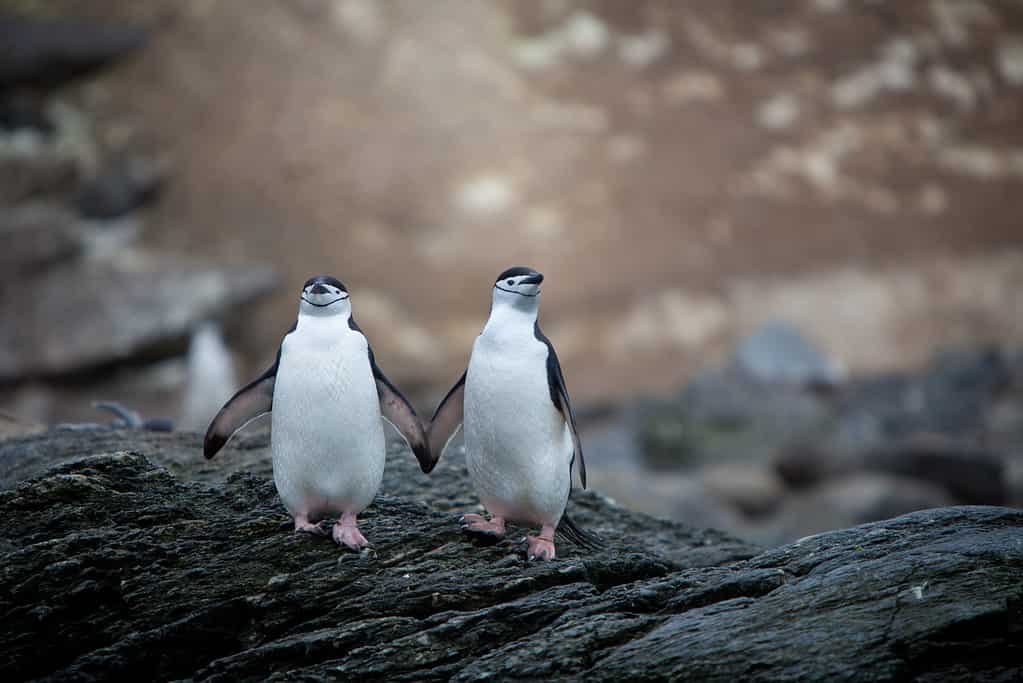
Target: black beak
{"points": [[318, 289], [532, 279]]}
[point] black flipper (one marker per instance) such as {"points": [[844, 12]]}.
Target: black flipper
{"points": [[447, 418], [397, 410], [559, 395], [253, 400]]}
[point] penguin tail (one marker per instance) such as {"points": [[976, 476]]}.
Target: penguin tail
{"points": [[580, 537]]}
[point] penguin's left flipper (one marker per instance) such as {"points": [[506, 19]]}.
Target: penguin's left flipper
{"points": [[559, 395], [253, 400], [398, 412], [447, 418]]}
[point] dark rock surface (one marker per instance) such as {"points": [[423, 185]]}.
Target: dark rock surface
{"points": [[49, 53], [124, 185], [111, 566], [35, 236], [42, 171]]}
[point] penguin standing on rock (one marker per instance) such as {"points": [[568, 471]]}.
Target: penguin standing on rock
{"points": [[520, 436], [326, 397]]}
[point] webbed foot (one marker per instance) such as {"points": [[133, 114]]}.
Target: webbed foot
{"points": [[477, 524], [346, 532], [541, 548], [304, 526]]}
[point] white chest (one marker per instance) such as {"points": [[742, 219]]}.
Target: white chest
{"points": [[327, 437], [324, 370], [517, 444], [506, 386]]}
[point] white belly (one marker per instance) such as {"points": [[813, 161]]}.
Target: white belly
{"points": [[518, 447], [327, 437]]}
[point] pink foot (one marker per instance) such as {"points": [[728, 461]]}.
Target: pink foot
{"points": [[304, 526], [346, 533], [477, 524], [541, 548]]}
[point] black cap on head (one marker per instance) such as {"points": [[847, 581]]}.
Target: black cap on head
{"points": [[324, 280], [515, 272]]}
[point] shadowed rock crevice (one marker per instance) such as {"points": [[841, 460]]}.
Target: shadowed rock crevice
{"points": [[112, 566]]}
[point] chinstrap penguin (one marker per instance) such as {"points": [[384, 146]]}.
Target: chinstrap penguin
{"points": [[521, 440], [326, 397]]}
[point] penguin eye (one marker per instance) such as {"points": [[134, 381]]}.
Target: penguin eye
{"points": [[511, 282]]}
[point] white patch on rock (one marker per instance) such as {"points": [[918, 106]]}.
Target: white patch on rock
{"points": [[829, 6], [693, 86], [743, 56], [544, 223], [954, 19], [973, 160], [583, 36], [537, 53], [1009, 55], [586, 36], [644, 49], [670, 318], [895, 71], [778, 112], [747, 56], [625, 147], [485, 194], [855, 89], [790, 42], [359, 19], [786, 171], [952, 85]]}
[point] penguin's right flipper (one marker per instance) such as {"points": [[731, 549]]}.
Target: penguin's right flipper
{"points": [[447, 418], [397, 410], [253, 400]]}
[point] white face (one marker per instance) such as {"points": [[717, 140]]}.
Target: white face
{"points": [[518, 286], [324, 299]]}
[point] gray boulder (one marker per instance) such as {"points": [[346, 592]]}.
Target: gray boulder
{"points": [[778, 353], [90, 313], [53, 52], [36, 236]]}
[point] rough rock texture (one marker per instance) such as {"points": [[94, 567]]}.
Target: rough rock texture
{"points": [[111, 566], [35, 236], [49, 53]]}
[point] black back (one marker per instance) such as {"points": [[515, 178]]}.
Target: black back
{"points": [[559, 396]]}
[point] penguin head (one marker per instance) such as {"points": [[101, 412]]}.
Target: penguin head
{"points": [[519, 286], [325, 295]]}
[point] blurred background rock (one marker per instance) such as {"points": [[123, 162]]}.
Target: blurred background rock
{"points": [[783, 239]]}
